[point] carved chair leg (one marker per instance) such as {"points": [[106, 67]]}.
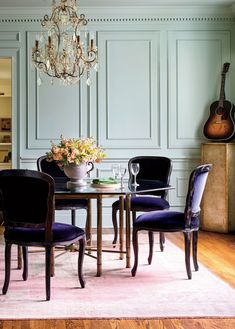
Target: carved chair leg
{"points": [[19, 257], [7, 267], [52, 261], [151, 242], [48, 272], [136, 250], [25, 262], [73, 217], [187, 241], [133, 216], [115, 226], [195, 240], [80, 261], [161, 240]]}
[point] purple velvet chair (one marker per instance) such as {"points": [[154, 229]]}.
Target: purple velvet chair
{"points": [[51, 168], [175, 221], [151, 168], [27, 198]]}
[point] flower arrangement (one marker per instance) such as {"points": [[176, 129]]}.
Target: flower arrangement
{"points": [[75, 151]]}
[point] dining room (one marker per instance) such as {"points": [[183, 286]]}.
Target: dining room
{"points": [[130, 79]]}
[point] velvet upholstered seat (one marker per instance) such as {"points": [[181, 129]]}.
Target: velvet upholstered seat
{"points": [[27, 198], [175, 221], [151, 168], [54, 170]]}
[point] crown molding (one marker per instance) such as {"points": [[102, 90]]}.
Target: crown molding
{"points": [[128, 10], [128, 14], [233, 8]]}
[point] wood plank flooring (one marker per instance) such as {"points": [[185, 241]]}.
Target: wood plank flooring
{"points": [[216, 252]]}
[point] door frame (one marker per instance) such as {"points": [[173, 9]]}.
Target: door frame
{"points": [[13, 54]]}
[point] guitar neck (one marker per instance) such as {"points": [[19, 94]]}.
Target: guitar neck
{"points": [[222, 92]]}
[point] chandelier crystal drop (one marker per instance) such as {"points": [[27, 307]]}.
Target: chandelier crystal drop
{"points": [[64, 51]]}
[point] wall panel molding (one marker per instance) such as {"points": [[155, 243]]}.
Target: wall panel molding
{"points": [[53, 109], [9, 36], [129, 106], [195, 62]]}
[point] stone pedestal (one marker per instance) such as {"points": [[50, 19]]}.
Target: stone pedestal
{"points": [[218, 204]]}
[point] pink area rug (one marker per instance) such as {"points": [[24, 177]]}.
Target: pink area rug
{"points": [[159, 290]]}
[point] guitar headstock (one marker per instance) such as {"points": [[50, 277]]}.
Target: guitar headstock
{"points": [[225, 68]]}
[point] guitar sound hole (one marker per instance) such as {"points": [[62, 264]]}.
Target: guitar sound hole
{"points": [[220, 111]]}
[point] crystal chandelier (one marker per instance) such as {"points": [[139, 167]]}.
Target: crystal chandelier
{"points": [[60, 53]]}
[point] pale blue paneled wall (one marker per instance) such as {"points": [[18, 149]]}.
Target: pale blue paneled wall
{"points": [[129, 103], [158, 76], [195, 62]]}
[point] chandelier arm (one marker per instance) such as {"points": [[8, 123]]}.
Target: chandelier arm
{"points": [[45, 19], [91, 60], [42, 66], [82, 20]]}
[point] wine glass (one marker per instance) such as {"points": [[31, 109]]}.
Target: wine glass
{"points": [[135, 168], [122, 174], [116, 171]]}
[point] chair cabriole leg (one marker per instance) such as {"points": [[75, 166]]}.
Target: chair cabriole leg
{"points": [[151, 242], [195, 240], [115, 226], [25, 263], [135, 249], [73, 217], [187, 241], [7, 267], [19, 257], [80, 261], [161, 240], [48, 272]]}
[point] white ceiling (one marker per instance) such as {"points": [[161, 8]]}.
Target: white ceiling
{"points": [[110, 3]]}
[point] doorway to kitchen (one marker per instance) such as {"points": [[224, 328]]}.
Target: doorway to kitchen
{"points": [[5, 113]]}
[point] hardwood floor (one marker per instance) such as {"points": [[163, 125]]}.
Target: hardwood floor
{"points": [[216, 252], [121, 324]]}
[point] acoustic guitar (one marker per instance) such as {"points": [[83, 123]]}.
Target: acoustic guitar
{"points": [[220, 125]]}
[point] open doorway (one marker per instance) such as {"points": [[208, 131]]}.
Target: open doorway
{"points": [[5, 113], [5, 118]]}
